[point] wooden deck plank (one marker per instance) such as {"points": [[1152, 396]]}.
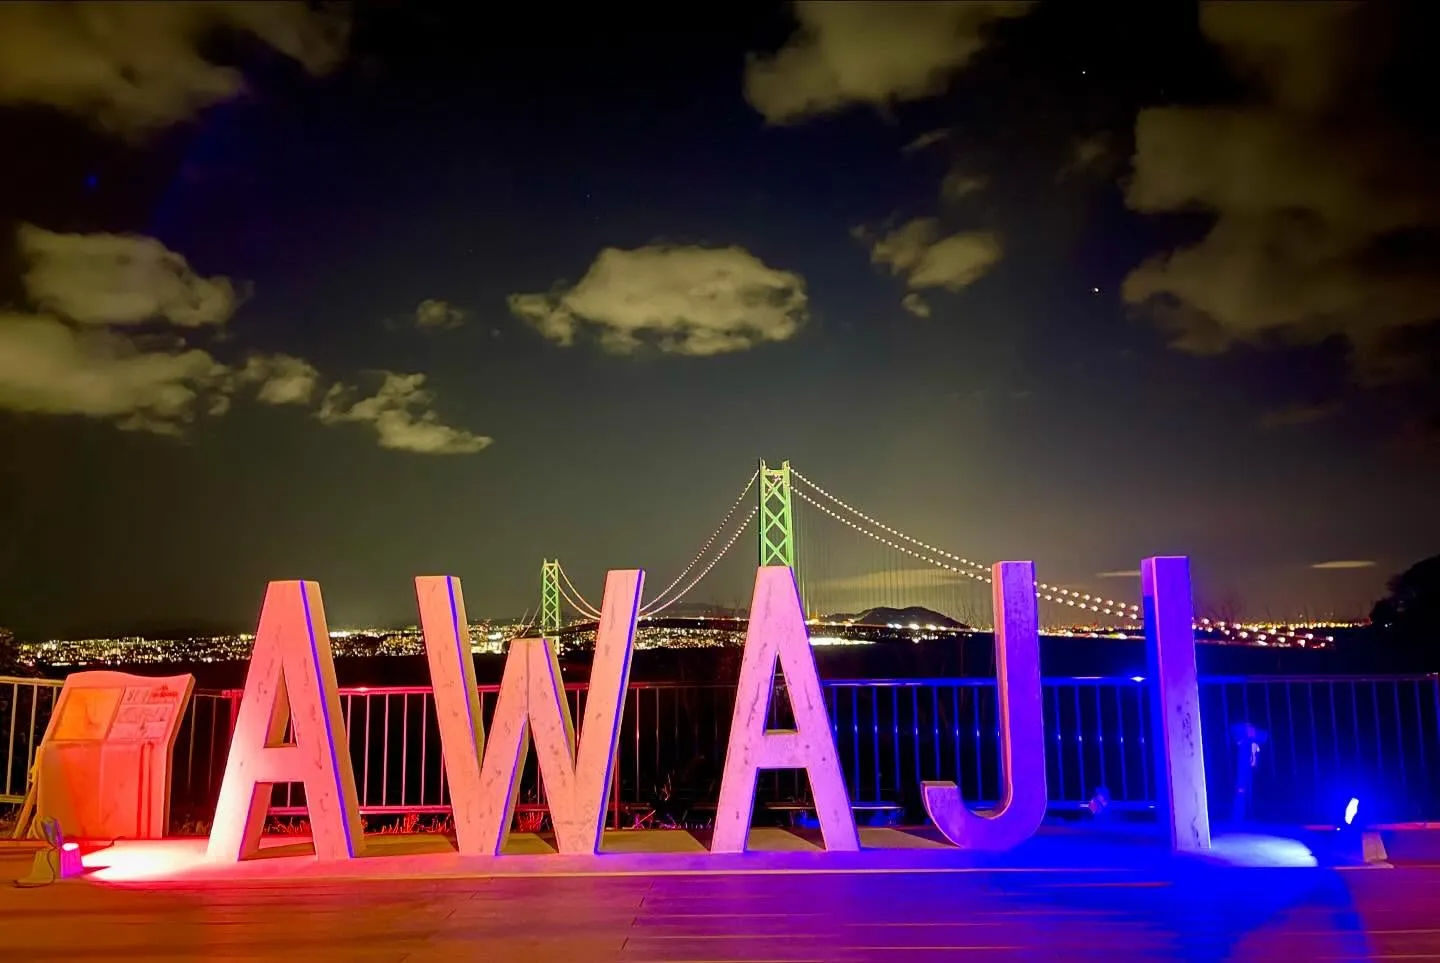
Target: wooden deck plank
{"points": [[1311, 913]]}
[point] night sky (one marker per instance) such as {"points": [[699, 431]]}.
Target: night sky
{"points": [[397, 289]]}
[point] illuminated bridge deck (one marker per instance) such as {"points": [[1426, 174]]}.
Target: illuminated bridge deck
{"points": [[1164, 909]]}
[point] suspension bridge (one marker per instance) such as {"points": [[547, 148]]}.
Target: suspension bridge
{"points": [[883, 570]]}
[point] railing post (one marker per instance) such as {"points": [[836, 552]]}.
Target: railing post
{"points": [[232, 697], [10, 735]]}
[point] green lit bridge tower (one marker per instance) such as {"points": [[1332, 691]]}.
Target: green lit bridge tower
{"points": [[777, 520], [550, 598]]}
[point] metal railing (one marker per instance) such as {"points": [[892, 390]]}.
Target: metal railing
{"points": [[201, 743], [25, 706], [1325, 739]]}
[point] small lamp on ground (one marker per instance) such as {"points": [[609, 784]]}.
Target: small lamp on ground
{"points": [[60, 859]]}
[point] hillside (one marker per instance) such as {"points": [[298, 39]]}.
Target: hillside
{"points": [[911, 614]]}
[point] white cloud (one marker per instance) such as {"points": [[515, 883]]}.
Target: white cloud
{"points": [[80, 349], [867, 52], [917, 252], [434, 313], [916, 305], [49, 367], [63, 356], [683, 300], [133, 68], [118, 279], [283, 379], [1342, 564], [401, 415], [956, 261]]}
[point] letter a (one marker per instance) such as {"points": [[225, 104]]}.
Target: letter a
{"points": [[291, 677], [777, 632], [1175, 701], [1022, 727], [577, 783]]}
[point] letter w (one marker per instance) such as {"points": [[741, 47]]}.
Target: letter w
{"points": [[483, 788]]}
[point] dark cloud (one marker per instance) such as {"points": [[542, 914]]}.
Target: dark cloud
{"points": [[863, 52], [1292, 416], [1324, 207], [133, 68]]}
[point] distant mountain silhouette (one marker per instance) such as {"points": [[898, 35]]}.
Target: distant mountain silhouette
{"points": [[888, 616]]}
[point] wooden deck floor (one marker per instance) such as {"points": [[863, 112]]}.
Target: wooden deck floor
{"points": [[1212, 913]]}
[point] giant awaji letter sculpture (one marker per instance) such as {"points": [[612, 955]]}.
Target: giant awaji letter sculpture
{"points": [[777, 632], [457, 699], [1175, 702], [1023, 797], [532, 701], [291, 679]]}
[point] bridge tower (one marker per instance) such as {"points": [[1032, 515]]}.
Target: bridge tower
{"points": [[550, 598], [777, 521]]}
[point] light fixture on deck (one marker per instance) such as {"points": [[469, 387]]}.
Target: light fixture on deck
{"points": [[60, 859]]}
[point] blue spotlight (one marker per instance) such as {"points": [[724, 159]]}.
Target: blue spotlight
{"points": [[1351, 809]]}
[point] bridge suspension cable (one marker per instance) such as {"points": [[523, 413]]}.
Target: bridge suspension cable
{"points": [[724, 523], [656, 609], [573, 596], [964, 566], [1050, 593]]}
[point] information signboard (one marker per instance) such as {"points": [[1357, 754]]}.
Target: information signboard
{"points": [[103, 769]]}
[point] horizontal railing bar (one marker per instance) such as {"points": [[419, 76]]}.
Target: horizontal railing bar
{"points": [[428, 810], [962, 681], [1312, 679], [930, 682]]}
